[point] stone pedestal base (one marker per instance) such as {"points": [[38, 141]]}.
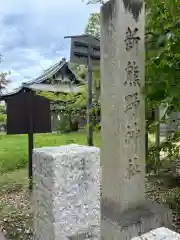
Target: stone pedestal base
{"points": [[133, 223]]}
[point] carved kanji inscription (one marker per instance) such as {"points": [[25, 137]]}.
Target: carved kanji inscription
{"points": [[133, 167], [132, 132], [132, 71], [131, 39], [132, 102]]}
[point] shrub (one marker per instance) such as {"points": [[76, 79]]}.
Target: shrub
{"points": [[67, 124], [173, 199]]}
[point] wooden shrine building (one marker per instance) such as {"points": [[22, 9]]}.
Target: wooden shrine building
{"points": [[23, 104]]}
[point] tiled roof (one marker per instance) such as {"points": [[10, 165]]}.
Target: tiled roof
{"points": [[48, 73], [84, 35], [37, 83]]}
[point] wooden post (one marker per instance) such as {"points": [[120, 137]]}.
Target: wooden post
{"points": [[30, 153], [30, 141], [157, 134], [89, 99], [146, 129]]}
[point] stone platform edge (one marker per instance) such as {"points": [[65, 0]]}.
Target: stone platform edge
{"points": [[134, 222]]}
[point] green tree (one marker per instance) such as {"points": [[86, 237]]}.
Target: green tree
{"points": [[3, 82], [163, 53], [3, 115], [3, 118], [2, 109], [93, 25]]}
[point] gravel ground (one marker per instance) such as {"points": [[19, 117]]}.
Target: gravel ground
{"points": [[159, 189], [16, 217], [16, 212]]}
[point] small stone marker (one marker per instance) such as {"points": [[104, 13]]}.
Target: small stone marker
{"points": [[159, 234], [125, 212], [66, 193]]}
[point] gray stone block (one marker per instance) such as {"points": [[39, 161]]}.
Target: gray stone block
{"points": [[2, 236], [66, 193], [159, 234]]}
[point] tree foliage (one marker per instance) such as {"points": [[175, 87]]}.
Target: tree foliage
{"points": [[3, 115], [4, 81], [2, 109], [163, 53], [3, 118], [93, 25], [95, 1]]}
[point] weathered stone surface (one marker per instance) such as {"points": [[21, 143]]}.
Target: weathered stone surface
{"points": [[125, 212], [122, 106], [159, 234], [66, 193], [2, 236], [134, 222]]}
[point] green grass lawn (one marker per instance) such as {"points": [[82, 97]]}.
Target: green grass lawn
{"points": [[14, 148]]}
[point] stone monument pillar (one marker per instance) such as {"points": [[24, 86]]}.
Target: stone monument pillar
{"points": [[125, 212]]}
